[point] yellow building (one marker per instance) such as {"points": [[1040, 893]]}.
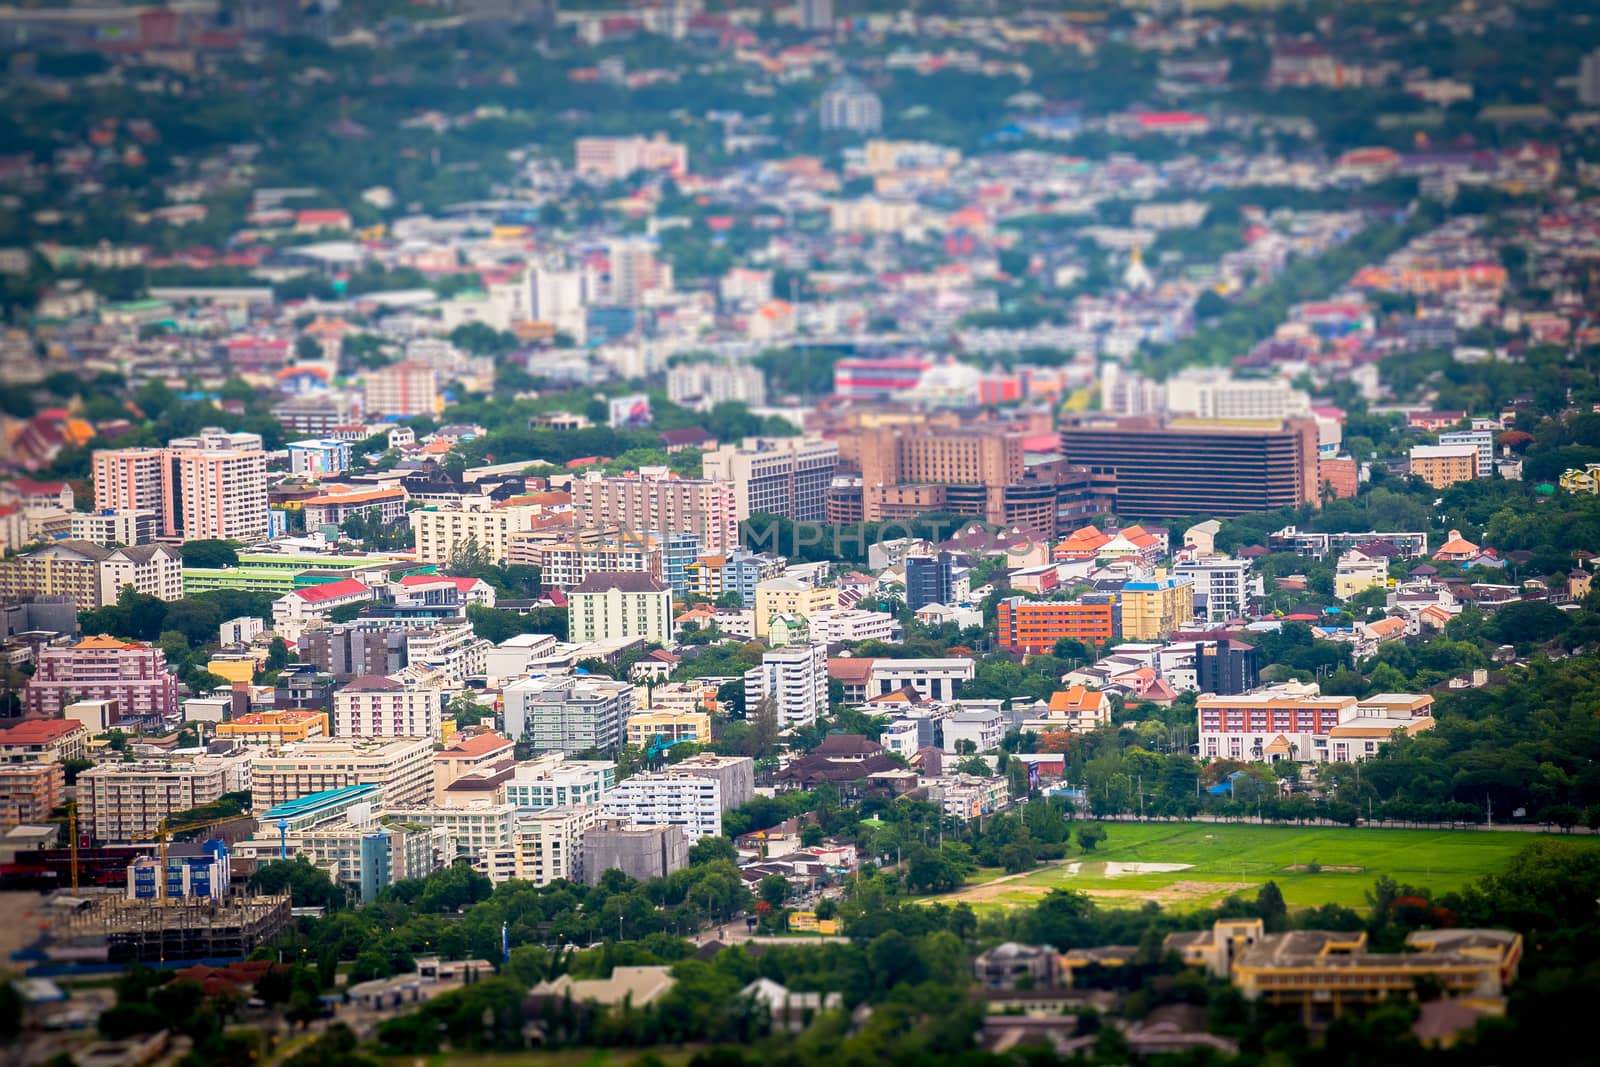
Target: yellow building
{"points": [[645, 727], [1154, 607], [790, 596], [275, 728], [1323, 972], [234, 667], [1582, 481], [1443, 465], [1357, 572]]}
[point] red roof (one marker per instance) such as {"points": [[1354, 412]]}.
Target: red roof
{"points": [[476, 745], [316, 594], [39, 731], [33, 488]]}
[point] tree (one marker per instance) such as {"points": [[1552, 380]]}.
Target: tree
{"points": [[307, 885], [1090, 836], [277, 654], [1271, 908], [209, 553], [775, 889]]}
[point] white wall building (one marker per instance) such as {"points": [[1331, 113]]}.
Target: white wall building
{"points": [[1224, 583], [689, 801], [374, 706], [796, 677], [553, 781]]}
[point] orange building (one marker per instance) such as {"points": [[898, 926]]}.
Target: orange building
{"points": [[1036, 625]]}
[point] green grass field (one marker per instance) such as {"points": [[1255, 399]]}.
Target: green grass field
{"points": [[1220, 859]]}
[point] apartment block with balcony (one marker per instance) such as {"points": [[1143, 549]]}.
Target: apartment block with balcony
{"points": [[121, 802], [605, 607], [788, 477], [795, 678], [401, 767], [548, 844], [568, 713], [1035, 626], [132, 674], [690, 802], [30, 793], [656, 502]]}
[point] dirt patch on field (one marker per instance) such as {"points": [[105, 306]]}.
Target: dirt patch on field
{"points": [[1305, 868], [1008, 892]]}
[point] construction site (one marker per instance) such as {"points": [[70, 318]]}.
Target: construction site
{"points": [[116, 929]]}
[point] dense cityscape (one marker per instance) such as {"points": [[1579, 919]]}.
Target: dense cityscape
{"points": [[689, 534]]}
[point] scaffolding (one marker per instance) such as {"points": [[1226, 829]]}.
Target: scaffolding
{"points": [[150, 931]]}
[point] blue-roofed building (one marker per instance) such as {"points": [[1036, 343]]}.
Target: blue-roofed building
{"points": [[305, 812]]}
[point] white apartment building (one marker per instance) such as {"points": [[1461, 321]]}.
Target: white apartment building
{"points": [[688, 801], [155, 570], [1482, 440], [553, 781], [450, 650], [844, 626], [710, 384], [776, 476], [479, 832], [375, 706], [568, 713], [439, 533], [796, 677], [935, 679], [403, 767], [605, 607], [1224, 583], [548, 844], [1207, 393], [984, 729], [122, 802], [126, 526]]}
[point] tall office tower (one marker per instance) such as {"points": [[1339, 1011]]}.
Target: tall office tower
{"points": [[787, 476], [1187, 467]]}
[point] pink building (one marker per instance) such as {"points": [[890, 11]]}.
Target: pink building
{"points": [[611, 158], [196, 493], [134, 675], [402, 390]]}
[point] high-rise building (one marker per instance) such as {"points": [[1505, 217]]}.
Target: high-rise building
{"points": [[604, 607], [1589, 79], [848, 105], [1482, 440], [554, 781], [30, 793], [402, 390], [129, 801], [1152, 608], [692, 803], [738, 572], [1441, 466], [816, 15], [132, 674], [929, 580], [549, 843], [640, 852], [710, 384], [590, 552], [635, 271], [1036, 625], [217, 494], [350, 650], [567, 713], [654, 501], [610, 158], [198, 487], [1185, 467], [90, 575], [556, 296], [402, 767], [785, 476], [1221, 586], [375, 706], [795, 678], [136, 526], [477, 525]]}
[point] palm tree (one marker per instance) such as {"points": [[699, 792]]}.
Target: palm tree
{"points": [[1294, 751]]}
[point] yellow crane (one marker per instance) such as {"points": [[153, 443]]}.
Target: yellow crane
{"points": [[72, 832], [160, 837]]}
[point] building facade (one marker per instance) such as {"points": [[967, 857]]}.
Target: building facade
{"points": [[402, 768], [605, 607], [656, 502], [134, 675], [795, 678], [788, 477], [376, 706]]}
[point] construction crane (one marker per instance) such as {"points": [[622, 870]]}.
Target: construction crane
{"points": [[72, 832], [160, 836], [658, 749]]}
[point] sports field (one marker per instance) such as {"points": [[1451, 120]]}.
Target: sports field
{"points": [[1186, 865]]}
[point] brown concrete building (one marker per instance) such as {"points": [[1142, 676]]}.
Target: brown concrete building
{"points": [[1188, 467]]}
